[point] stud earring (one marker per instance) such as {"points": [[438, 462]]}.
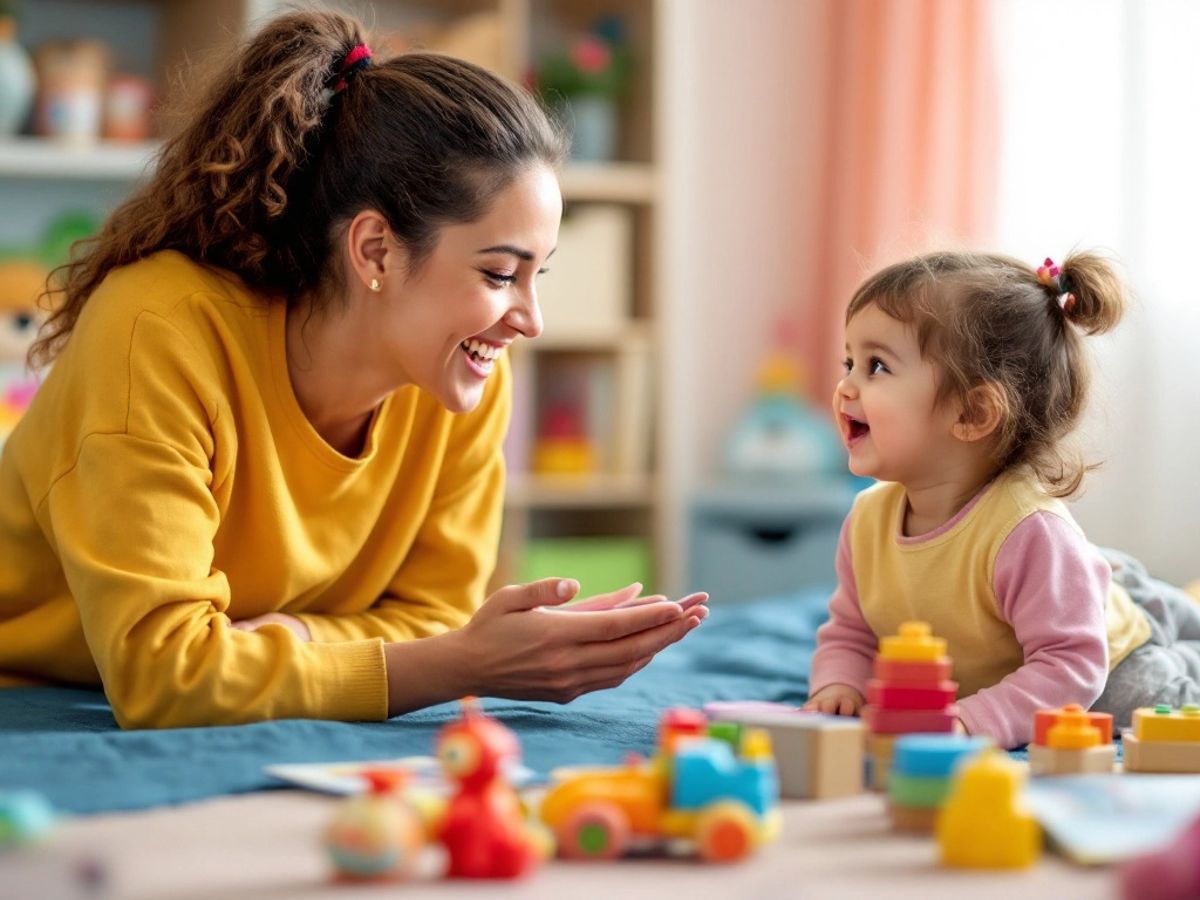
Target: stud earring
{"points": [[375, 285]]}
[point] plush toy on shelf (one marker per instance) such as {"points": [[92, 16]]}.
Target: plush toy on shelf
{"points": [[782, 435], [21, 281], [23, 272]]}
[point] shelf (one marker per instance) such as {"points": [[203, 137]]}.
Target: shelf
{"points": [[633, 336], [601, 491], [612, 182], [31, 157]]}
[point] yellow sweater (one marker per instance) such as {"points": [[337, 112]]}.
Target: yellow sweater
{"points": [[165, 481]]}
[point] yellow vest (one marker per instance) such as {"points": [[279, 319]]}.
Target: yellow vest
{"points": [[948, 580]]}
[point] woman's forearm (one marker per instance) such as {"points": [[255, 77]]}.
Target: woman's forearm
{"points": [[426, 672]]}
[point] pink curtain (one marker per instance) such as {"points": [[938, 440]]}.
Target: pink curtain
{"points": [[908, 156]]}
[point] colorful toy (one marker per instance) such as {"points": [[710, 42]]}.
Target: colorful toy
{"points": [[712, 786], [910, 693], [984, 824], [376, 835], [1044, 719], [920, 773], [782, 434], [1163, 739], [23, 272], [25, 817], [1170, 874], [21, 281], [484, 829], [818, 757], [1071, 744]]}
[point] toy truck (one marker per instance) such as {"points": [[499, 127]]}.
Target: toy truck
{"points": [[711, 788]]}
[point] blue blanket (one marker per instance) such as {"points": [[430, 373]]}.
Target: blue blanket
{"points": [[66, 744]]}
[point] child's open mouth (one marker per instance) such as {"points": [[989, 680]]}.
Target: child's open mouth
{"points": [[855, 429]]}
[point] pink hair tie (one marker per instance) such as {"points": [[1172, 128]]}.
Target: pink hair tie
{"points": [[1049, 276]]}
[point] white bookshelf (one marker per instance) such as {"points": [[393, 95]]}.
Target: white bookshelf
{"points": [[32, 158]]}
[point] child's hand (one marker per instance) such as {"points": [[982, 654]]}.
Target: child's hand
{"points": [[836, 699], [289, 622]]}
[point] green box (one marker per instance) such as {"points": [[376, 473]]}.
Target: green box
{"points": [[599, 564]]}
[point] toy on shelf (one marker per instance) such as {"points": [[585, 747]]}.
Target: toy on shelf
{"points": [[1070, 741], [563, 446], [711, 787], [921, 774], [484, 829], [1163, 739], [1172, 873], [911, 692], [23, 272], [818, 757], [376, 835], [21, 281], [984, 823], [781, 435]]}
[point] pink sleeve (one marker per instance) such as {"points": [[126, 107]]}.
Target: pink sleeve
{"points": [[845, 644], [1052, 586]]}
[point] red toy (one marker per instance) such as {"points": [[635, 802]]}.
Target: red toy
{"points": [[483, 830]]}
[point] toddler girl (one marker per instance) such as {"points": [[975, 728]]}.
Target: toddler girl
{"points": [[964, 375]]}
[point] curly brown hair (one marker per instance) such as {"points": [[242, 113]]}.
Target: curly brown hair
{"points": [[986, 319], [271, 164]]}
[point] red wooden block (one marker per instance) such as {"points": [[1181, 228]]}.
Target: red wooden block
{"points": [[909, 721], [888, 695], [1044, 718], [911, 672]]}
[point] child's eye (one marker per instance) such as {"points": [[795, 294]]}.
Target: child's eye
{"points": [[877, 365], [848, 364], [499, 279]]}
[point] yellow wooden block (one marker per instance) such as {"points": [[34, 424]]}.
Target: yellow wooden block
{"points": [[1162, 723], [984, 824], [1159, 756], [914, 642]]}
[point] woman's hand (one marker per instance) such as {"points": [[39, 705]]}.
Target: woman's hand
{"points": [[289, 622], [520, 645], [836, 699]]}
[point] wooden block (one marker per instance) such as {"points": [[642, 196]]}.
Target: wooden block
{"points": [[1043, 719], [818, 756], [910, 672], [908, 721], [1052, 761], [908, 818], [884, 695], [1159, 756]]}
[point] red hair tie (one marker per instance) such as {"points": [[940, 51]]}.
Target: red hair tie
{"points": [[358, 58]]}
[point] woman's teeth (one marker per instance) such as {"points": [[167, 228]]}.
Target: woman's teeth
{"points": [[480, 350]]}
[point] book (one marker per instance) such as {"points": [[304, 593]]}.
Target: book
{"points": [[1100, 819]]}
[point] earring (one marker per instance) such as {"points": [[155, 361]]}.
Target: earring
{"points": [[375, 285]]}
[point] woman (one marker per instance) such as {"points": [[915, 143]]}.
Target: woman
{"points": [[267, 459]]}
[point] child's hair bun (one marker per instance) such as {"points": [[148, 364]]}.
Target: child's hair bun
{"points": [[1097, 296]]}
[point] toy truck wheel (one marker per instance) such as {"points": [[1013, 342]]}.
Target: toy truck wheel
{"points": [[725, 832], [595, 830]]}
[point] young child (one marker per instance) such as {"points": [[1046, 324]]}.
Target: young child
{"points": [[964, 375]]}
